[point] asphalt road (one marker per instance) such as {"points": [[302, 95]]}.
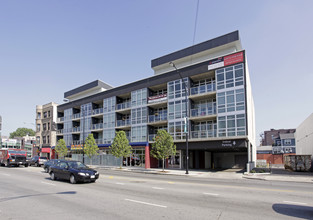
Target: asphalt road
{"points": [[28, 193]]}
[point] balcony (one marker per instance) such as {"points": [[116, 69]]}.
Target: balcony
{"points": [[202, 89], [99, 141], [206, 112], [151, 137], [97, 126], [122, 106], [203, 134], [76, 130], [60, 119], [123, 123], [60, 131], [97, 111], [76, 116], [76, 142], [157, 98], [158, 117]]}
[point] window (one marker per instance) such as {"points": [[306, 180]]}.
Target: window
{"points": [[44, 139], [44, 127], [232, 125], [287, 142], [38, 127], [48, 139], [38, 115], [229, 101], [48, 126], [49, 114], [45, 115], [230, 77]]}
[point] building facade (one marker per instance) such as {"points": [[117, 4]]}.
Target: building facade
{"points": [[46, 117], [205, 95], [304, 138]]}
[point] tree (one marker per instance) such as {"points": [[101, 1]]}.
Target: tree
{"points": [[163, 147], [120, 146], [90, 148], [21, 132], [61, 148]]}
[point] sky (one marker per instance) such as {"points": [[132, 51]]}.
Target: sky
{"points": [[50, 47]]}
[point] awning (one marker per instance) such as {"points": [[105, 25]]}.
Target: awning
{"points": [[45, 150]]}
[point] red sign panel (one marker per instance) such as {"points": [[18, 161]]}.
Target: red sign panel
{"points": [[233, 58], [45, 150]]}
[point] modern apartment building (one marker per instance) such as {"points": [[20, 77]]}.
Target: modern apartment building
{"points": [[202, 92], [46, 117]]}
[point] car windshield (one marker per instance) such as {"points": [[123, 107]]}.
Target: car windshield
{"points": [[76, 165], [16, 152]]}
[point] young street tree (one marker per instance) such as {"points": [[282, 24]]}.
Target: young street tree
{"points": [[163, 147], [21, 132], [61, 148], [90, 148], [120, 146]]}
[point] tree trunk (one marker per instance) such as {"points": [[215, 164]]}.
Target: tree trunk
{"points": [[163, 164], [121, 163]]}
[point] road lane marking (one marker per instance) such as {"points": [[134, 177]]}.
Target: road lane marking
{"points": [[211, 194], [120, 183], [111, 177], [157, 188], [51, 184], [146, 203], [6, 174], [297, 203], [171, 182]]}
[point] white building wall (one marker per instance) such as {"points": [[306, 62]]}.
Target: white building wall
{"points": [[250, 114], [304, 137]]}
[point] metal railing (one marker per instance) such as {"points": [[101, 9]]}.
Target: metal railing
{"points": [[123, 105], [202, 89], [60, 119], [203, 134], [77, 115], [97, 111], [121, 123], [97, 126], [60, 131], [158, 117], [203, 111], [76, 129]]}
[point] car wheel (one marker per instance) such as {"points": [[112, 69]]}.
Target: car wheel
{"points": [[72, 179], [52, 176], [26, 165], [46, 170]]}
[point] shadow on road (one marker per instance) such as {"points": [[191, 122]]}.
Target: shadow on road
{"points": [[298, 211], [40, 194]]}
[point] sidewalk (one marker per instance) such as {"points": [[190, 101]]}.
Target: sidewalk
{"points": [[276, 175]]}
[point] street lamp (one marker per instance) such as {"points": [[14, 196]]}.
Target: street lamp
{"points": [[186, 130], [83, 112]]}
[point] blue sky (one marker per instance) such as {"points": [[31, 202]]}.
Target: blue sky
{"points": [[50, 47]]}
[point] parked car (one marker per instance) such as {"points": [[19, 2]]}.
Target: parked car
{"points": [[50, 163], [74, 171], [38, 161]]}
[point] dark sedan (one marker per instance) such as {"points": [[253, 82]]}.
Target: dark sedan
{"points": [[50, 163], [74, 171]]}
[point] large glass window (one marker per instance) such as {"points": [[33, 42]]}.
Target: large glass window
{"points": [[139, 133], [231, 125], [139, 97], [230, 76], [139, 115], [230, 101]]}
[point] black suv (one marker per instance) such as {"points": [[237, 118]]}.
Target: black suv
{"points": [[38, 161]]}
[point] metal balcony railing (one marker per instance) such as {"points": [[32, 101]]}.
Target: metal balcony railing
{"points": [[202, 89], [123, 105], [77, 115], [76, 129], [158, 117], [197, 112], [97, 111], [60, 131], [203, 134], [97, 126], [121, 123], [60, 119]]}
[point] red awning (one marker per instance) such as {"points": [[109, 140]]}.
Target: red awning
{"points": [[45, 150]]}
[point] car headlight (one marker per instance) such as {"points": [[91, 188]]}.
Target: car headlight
{"points": [[83, 174]]}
